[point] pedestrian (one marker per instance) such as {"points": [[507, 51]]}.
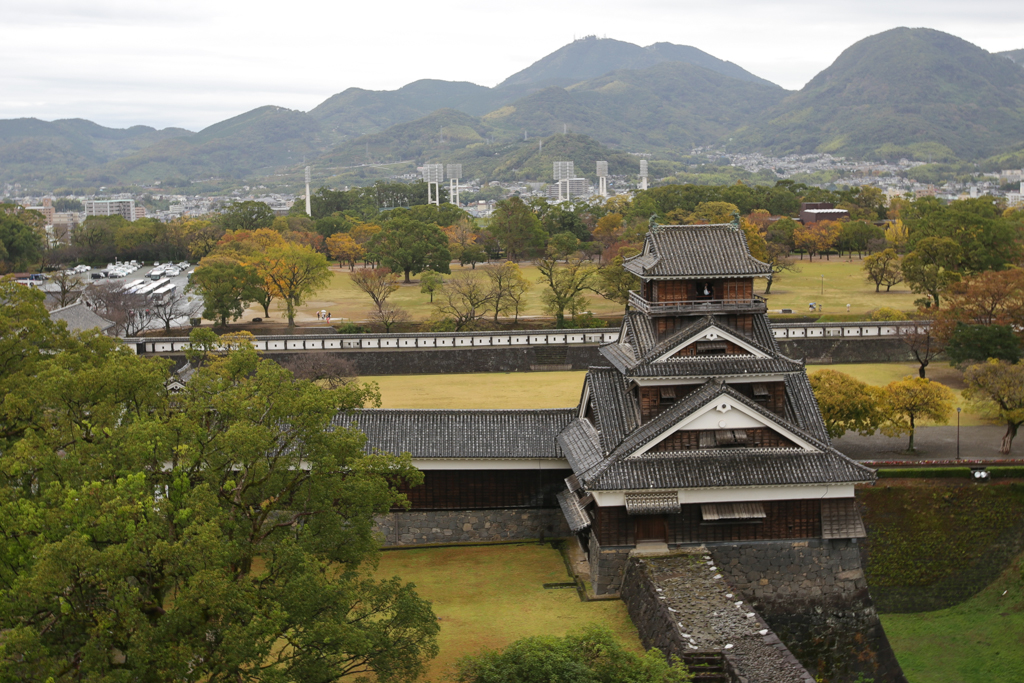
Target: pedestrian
{"points": [[847, 308], [328, 317]]}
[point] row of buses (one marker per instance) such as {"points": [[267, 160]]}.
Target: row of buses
{"points": [[156, 291]]}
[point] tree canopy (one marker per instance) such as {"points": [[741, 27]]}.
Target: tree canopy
{"points": [[409, 246], [224, 533]]}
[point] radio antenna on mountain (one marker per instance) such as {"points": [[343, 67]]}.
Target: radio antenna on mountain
{"points": [[309, 211]]}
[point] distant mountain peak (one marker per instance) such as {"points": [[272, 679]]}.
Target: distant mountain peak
{"points": [[592, 57]]}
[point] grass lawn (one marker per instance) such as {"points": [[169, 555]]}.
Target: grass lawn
{"points": [[980, 640], [489, 596], [844, 283], [879, 374], [483, 390], [346, 302]]}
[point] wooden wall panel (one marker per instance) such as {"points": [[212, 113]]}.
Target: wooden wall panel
{"points": [[482, 489], [784, 519], [613, 526]]}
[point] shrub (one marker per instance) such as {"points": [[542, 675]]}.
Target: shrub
{"points": [[886, 313], [925, 473]]}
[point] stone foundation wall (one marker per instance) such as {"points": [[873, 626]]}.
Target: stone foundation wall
{"points": [[680, 606], [824, 350], [466, 526], [814, 596], [606, 567]]}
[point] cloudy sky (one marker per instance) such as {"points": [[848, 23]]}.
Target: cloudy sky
{"points": [[191, 63]]}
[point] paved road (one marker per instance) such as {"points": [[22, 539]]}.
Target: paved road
{"points": [[933, 443]]}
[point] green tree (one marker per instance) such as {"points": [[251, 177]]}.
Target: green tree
{"points": [[222, 534], [410, 246], [846, 403], [910, 399], [978, 343], [563, 245], [998, 388], [516, 228], [430, 282], [508, 287], [333, 224], [884, 268], [986, 240], [226, 286], [296, 272], [932, 266], [566, 284], [247, 216], [590, 655], [614, 281], [20, 243]]}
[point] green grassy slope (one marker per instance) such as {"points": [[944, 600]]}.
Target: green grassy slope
{"points": [[904, 92]]}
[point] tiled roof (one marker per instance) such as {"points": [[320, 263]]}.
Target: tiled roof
{"points": [[574, 514], [716, 366], [639, 358], [615, 409], [731, 467], [80, 318], [475, 434], [803, 407], [735, 466], [696, 251], [580, 445]]}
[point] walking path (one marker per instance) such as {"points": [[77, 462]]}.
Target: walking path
{"points": [[932, 443]]}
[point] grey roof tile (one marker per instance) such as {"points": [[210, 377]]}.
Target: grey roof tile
{"points": [[462, 434], [731, 467], [80, 318], [688, 251], [580, 445], [615, 409]]}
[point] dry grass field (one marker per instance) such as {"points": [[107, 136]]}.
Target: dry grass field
{"points": [[346, 302], [482, 390], [489, 596], [844, 283]]}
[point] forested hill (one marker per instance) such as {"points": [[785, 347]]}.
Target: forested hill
{"points": [[917, 93], [906, 92], [591, 57]]}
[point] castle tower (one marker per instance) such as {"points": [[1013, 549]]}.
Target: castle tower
{"points": [[699, 429]]}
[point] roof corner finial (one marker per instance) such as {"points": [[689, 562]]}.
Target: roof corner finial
{"points": [[736, 220], [653, 222]]}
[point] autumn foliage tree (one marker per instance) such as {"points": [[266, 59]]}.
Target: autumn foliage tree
{"points": [[906, 401], [883, 268], [998, 388], [846, 403], [294, 273], [345, 249]]}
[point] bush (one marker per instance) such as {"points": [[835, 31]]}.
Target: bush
{"points": [[925, 473], [885, 314], [1006, 472]]}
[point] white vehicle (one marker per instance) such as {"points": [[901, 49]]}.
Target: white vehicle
{"points": [[82, 268], [173, 272]]}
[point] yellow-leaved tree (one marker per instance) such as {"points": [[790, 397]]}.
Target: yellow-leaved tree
{"points": [[910, 399]]}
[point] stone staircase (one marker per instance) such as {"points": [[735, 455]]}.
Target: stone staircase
{"points": [[708, 667]]}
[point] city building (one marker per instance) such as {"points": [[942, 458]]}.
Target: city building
{"points": [[111, 207]]}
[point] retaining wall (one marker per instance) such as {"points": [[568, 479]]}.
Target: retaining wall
{"points": [[467, 526], [828, 350], [814, 596], [679, 606], [606, 567]]}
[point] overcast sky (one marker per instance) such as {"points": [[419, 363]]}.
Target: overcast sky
{"points": [[191, 63]]}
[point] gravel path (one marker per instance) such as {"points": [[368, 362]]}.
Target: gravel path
{"points": [[712, 618]]}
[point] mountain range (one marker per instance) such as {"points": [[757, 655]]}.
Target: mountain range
{"points": [[906, 92]]}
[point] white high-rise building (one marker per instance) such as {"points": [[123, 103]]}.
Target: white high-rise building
{"points": [[111, 207]]}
